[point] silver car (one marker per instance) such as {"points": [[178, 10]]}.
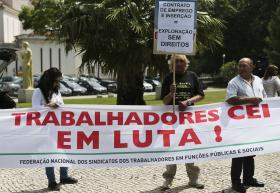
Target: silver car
{"points": [[14, 83]]}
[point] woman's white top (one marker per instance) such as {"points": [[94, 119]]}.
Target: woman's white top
{"points": [[38, 99], [271, 86]]}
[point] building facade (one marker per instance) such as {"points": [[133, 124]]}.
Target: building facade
{"points": [[10, 26], [45, 53]]}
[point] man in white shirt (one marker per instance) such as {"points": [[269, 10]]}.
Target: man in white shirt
{"points": [[245, 88]]}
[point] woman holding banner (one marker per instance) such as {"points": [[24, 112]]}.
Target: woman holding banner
{"points": [[186, 91], [47, 95]]}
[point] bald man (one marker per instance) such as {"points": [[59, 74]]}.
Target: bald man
{"points": [[245, 88]]}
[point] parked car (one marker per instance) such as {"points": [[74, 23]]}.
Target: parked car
{"points": [[88, 77], [19, 81], [147, 87], [64, 90], [9, 78], [36, 79], [93, 87], [204, 85], [70, 77], [75, 87], [153, 82], [14, 83], [4, 87], [13, 88], [110, 85]]}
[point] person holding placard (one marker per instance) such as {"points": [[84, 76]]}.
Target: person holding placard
{"points": [[187, 91]]}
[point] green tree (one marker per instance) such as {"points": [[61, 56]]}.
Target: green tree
{"points": [[228, 70], [274, 38], [247, 29], [119, 35], [245, 34], [42, 17], [209, 60]]}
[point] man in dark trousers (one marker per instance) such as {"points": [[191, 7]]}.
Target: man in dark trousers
{"points": [[245, 88], [188, 90]]}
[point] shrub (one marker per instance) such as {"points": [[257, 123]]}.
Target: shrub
{"points": [[228, 70]]}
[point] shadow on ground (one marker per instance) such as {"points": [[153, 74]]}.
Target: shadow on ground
{"points": [[182, 188], [228, 190], [35, 191], [171, 190]]}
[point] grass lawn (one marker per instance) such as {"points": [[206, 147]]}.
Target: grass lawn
{"points": [[210, 97]]}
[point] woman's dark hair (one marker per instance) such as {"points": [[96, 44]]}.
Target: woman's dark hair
{"points": [[270, 71], [46, 82]]}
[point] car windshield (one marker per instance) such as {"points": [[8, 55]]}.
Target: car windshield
{"points": [[18, 81], [93, 79], [62, 86], [8, 79], [95, 84], [156, 82], [72, 84]]}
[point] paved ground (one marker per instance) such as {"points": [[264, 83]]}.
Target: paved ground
{"points": [[214, 174]]}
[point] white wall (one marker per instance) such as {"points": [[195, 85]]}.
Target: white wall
{"points": [[16, 4], [69, 62], [12, 27]]}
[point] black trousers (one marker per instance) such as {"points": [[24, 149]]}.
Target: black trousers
{"points": [[248, 166]]}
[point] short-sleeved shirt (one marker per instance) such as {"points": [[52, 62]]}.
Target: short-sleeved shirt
{"points": [[271, 86], [187, 86], [239, 87]]}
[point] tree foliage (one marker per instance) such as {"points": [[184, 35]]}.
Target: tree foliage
{"points": [[274, 38], [245, 33], [118, 34], [42, 17], [228, 70]]}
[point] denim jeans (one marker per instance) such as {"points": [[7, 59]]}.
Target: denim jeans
{"points": [[51, 176]]}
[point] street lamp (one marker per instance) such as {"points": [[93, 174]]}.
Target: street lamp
{"points": [[224, 56]]}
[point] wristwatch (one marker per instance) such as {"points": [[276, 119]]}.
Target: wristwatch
{"points": [[189, 102]]}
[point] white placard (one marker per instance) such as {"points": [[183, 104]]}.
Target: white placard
{"points": [[175, 27]]}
